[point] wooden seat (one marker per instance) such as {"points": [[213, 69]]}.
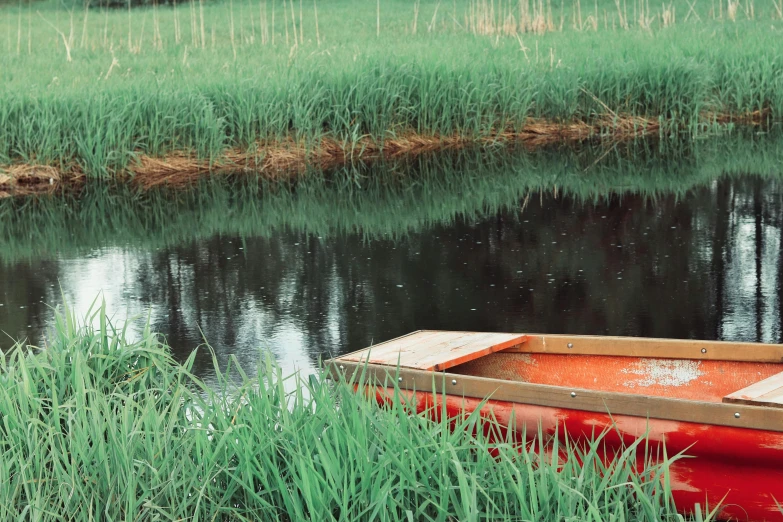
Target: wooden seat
{"points": [[768, 392], [435, 350]]}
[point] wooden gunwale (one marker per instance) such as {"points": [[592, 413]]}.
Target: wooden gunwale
{"points": [[614, 403], [651, 348], [634, 347]]}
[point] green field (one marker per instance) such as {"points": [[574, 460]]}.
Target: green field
{"points": [[97, 427], [95, 91]]}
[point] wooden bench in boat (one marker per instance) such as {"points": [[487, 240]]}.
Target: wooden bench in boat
{"points": [[435, 350], [768, 392]]}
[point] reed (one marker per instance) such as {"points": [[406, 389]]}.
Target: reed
{"points": [[489, 72], [102, 427]]}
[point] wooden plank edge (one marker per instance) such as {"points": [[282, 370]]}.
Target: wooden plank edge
{"points": [[757, 392], [479, 354], [752, 402], [561, 397]]}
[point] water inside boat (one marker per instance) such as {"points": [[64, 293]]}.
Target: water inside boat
{"points": [[674, 378]]}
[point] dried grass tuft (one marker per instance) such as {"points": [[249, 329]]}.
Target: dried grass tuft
{"points": [[24, 179], [755, 118], [289, 158]]}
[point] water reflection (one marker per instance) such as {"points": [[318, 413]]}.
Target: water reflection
{"points": [[708, 265]]}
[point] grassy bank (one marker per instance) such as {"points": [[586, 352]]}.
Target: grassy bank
{"points": [[102, 428], [275, 85], [384, 200]]}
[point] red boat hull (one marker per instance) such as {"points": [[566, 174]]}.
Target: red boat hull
{"points": [[740, 469]]}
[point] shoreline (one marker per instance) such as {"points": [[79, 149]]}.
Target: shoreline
{"points": [[285, 159], [168, 105], [381, 199]]}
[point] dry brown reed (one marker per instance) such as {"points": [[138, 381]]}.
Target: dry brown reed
{"points": [[754, 118], [495, 18], [486, 17], [23, 179], [288, 158]]}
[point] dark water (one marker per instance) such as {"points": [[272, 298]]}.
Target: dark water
{"points": [[707, 264]]}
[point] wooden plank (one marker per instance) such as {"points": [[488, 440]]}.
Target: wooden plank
{"points": [[410, 346], [438, 350], [392, 353], [404, 343], [768, 392], [644, 406], [430, 358], [773, 399], [478, 347], [651, 348], [426, 356], [395, 339], [434, 350], [393, 345]]}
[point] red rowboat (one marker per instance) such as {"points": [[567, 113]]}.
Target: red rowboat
{"points": [[719, 402]]}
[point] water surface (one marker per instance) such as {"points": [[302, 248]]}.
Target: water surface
{"points": [[703, 261]]}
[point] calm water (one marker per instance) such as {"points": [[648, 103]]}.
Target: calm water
{"points": [[707, 264]]}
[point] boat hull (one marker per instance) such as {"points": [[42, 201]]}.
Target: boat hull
{"points": [[741, 469], [719, 403]]}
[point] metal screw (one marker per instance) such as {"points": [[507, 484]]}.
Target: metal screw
{"points": [[737, 415], [573, 394], [570, 345], [453, 381], [703, 350]]}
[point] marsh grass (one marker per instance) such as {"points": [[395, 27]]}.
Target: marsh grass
{"points": [[92, 91], [98, 427]]}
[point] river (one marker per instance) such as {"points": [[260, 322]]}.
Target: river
{"points": [[704, 262]]}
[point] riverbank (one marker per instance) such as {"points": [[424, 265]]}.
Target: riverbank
{"points": [[159, 94], [290, 159], [382, 200], [127, 431]]}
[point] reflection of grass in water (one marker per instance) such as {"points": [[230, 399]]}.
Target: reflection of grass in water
{"points": [[379, 201]]}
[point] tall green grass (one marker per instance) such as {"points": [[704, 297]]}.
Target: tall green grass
{"points": [[95, 427], [151, 82], [384, 200]]}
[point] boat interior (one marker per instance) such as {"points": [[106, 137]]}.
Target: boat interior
{"points": [[740, 373]]}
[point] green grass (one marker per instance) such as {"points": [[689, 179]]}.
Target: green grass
{"points": [[137, 85], [381, 201], [96, 427]]}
